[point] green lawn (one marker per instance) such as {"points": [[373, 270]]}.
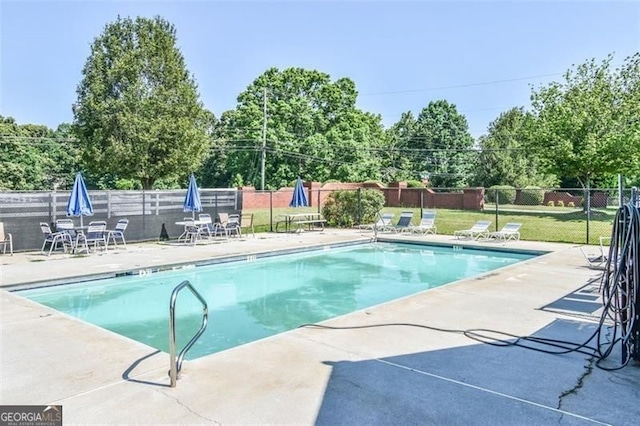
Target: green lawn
{"points": [[542, 223]]}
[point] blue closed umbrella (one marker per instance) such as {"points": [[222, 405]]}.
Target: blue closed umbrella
{"points": [[192, 199], [79, 202], [299, 197]]}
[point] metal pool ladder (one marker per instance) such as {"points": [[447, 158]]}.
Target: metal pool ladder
{"points": [[176, 366]]}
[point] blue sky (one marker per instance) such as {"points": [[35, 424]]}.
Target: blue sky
{"points": [[482, 56]]}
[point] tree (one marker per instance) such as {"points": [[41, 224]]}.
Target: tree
{"points": [[396, 158], [34, 157], [588, 125], [442, 145], [313, 129], [504, 158], [138, 114]]}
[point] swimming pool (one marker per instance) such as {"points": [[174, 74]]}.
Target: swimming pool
{"points": [[263, 296]]}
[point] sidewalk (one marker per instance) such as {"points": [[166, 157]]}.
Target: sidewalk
{"points": [[382, 375]]}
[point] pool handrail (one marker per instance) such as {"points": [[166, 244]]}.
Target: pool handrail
{"points": [[176, 366]]}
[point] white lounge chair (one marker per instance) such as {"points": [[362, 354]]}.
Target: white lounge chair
{"points": [[510, 231], [383, 223], [427, 224], [404, 223], [480, 229]]}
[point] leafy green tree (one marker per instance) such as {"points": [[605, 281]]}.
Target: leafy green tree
{"points": [[313, 129], [442, 145], [504, 158], [138, 114], [396, 158], [587, 127], [34, 157]]}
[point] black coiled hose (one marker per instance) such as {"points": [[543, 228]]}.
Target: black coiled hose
{"points": [[619, 287]]}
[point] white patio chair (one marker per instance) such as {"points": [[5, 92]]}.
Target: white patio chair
{"points": [[118, 233], [246, 222], [6, 239], [191, 233], [232, 227], [96, 236], [54, 239]]}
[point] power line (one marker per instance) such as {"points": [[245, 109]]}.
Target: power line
{"points": [[462, 86]]}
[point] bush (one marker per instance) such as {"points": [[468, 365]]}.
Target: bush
{"points": [[506, 194], [414, 184], [341, 207], [560, 203], [550, 204], [571, 204], [532, 196]]}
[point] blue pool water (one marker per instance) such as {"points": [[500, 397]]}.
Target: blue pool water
{"points": [[252, 299]]}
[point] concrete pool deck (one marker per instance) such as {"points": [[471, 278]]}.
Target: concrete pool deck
{"points": [[396, 371]]}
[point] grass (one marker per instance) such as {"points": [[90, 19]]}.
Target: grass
{"points": [[539, 223]]}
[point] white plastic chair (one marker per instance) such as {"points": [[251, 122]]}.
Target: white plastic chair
{"points": [[6, 239], [118, 233], [54, 239], [96, 236]]}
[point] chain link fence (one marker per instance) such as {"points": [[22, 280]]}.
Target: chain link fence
{"points": [[569, 215]]}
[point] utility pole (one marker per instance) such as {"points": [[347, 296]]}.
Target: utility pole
{"points": [[264, 136]]}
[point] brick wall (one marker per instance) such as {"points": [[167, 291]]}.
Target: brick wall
{"points": [[396, 195]]}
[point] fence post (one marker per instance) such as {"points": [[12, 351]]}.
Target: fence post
{"points": [[421, 202], [497, 203], [270, 211], [108, 204], [588, 211], [52, 206], [359, 207], [144, 214]]}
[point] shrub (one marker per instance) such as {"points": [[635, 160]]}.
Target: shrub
{"points": [[560, 203], [550, 204], [127, 184], [571, 204], [341, 207], [414, 184], [503, 194], [532, 196]]}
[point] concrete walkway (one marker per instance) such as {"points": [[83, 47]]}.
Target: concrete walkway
{"points": [[384, 374]]}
